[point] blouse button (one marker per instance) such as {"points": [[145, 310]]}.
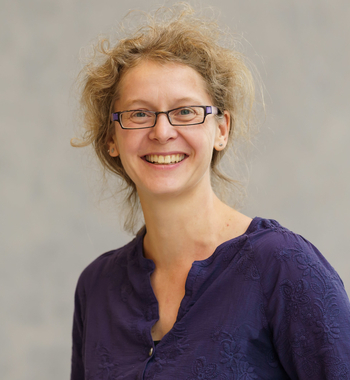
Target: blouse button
{"points": [[150, 352]]}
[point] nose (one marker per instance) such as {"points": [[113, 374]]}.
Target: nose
{"points": [[163, 131]]}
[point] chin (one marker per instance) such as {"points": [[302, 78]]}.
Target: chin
{"points": [[166, 190]]}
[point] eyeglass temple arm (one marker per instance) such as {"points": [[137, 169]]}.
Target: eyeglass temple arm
{"points": [[212, 110], [115, 116]]}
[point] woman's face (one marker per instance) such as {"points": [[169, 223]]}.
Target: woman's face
{"points": [[161, 87]]}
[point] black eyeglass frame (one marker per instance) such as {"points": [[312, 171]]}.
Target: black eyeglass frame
{"points": [[208, 110]]}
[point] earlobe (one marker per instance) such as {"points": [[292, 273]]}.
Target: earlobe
{"points": [[222, 132], [112, 147], [219, 146]]}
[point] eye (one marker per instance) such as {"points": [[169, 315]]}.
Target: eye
{"points": [[131, 118], [187, 115], [186, 111], [139, 114]]}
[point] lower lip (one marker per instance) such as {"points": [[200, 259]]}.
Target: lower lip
{"points": [[165, 166]]}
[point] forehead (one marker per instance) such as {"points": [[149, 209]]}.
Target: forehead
{"points": [[162, 83]]}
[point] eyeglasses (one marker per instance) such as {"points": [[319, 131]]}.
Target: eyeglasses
{"points": [[182, 116]]}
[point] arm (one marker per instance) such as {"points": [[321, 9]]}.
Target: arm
{"points": [[308, 312], [77, 369]]}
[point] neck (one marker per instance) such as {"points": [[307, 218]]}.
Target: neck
{"points": [[185, 228]]}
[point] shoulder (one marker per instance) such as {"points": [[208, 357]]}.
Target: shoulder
{"points": [[105, 264], [292, 269], [273, 243], [282, 256], [267, 236]]}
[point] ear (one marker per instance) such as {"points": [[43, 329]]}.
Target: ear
{"points": [[222, 132], [113, 147]]}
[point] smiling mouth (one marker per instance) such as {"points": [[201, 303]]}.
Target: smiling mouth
{"points": [[165, 160]]}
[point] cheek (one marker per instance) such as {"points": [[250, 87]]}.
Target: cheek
{"points": [[204, 148], [208, 140], [123, 143], [201, 136], [127, 145], [128, 166]]}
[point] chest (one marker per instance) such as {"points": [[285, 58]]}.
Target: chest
{"points": [[169, 293], [216, 333]]}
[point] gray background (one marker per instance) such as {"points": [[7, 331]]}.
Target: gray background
{"points": [[51, 223]]}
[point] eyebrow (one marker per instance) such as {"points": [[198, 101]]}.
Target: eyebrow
{"points": [[177, 103]]}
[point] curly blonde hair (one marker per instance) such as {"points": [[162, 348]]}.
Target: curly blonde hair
{"points": [[174, 34]]}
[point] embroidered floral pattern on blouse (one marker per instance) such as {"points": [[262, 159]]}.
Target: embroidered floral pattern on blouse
{"points": [[203, 371], [107, 368], [326, 329], [232, 357], [302, 343], [235, 360], [337, 370], [246, 264], [312, 269], [311, 301], [283, 254], [274, 226], [295, 295]]}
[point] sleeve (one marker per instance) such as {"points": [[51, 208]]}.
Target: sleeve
{"points": [[308, 311], [77, 369]]}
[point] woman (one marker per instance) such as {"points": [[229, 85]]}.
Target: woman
{"points": [[202, 292]]}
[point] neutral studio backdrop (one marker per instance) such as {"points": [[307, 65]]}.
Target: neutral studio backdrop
{"points": [[51, 223]]}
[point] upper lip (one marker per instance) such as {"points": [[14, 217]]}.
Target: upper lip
{"points": [[164, 153]]}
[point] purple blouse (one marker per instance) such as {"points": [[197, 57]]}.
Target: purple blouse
{"points": [[264, 305]]}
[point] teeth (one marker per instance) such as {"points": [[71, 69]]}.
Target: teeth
{"points": [[171, 159]]}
